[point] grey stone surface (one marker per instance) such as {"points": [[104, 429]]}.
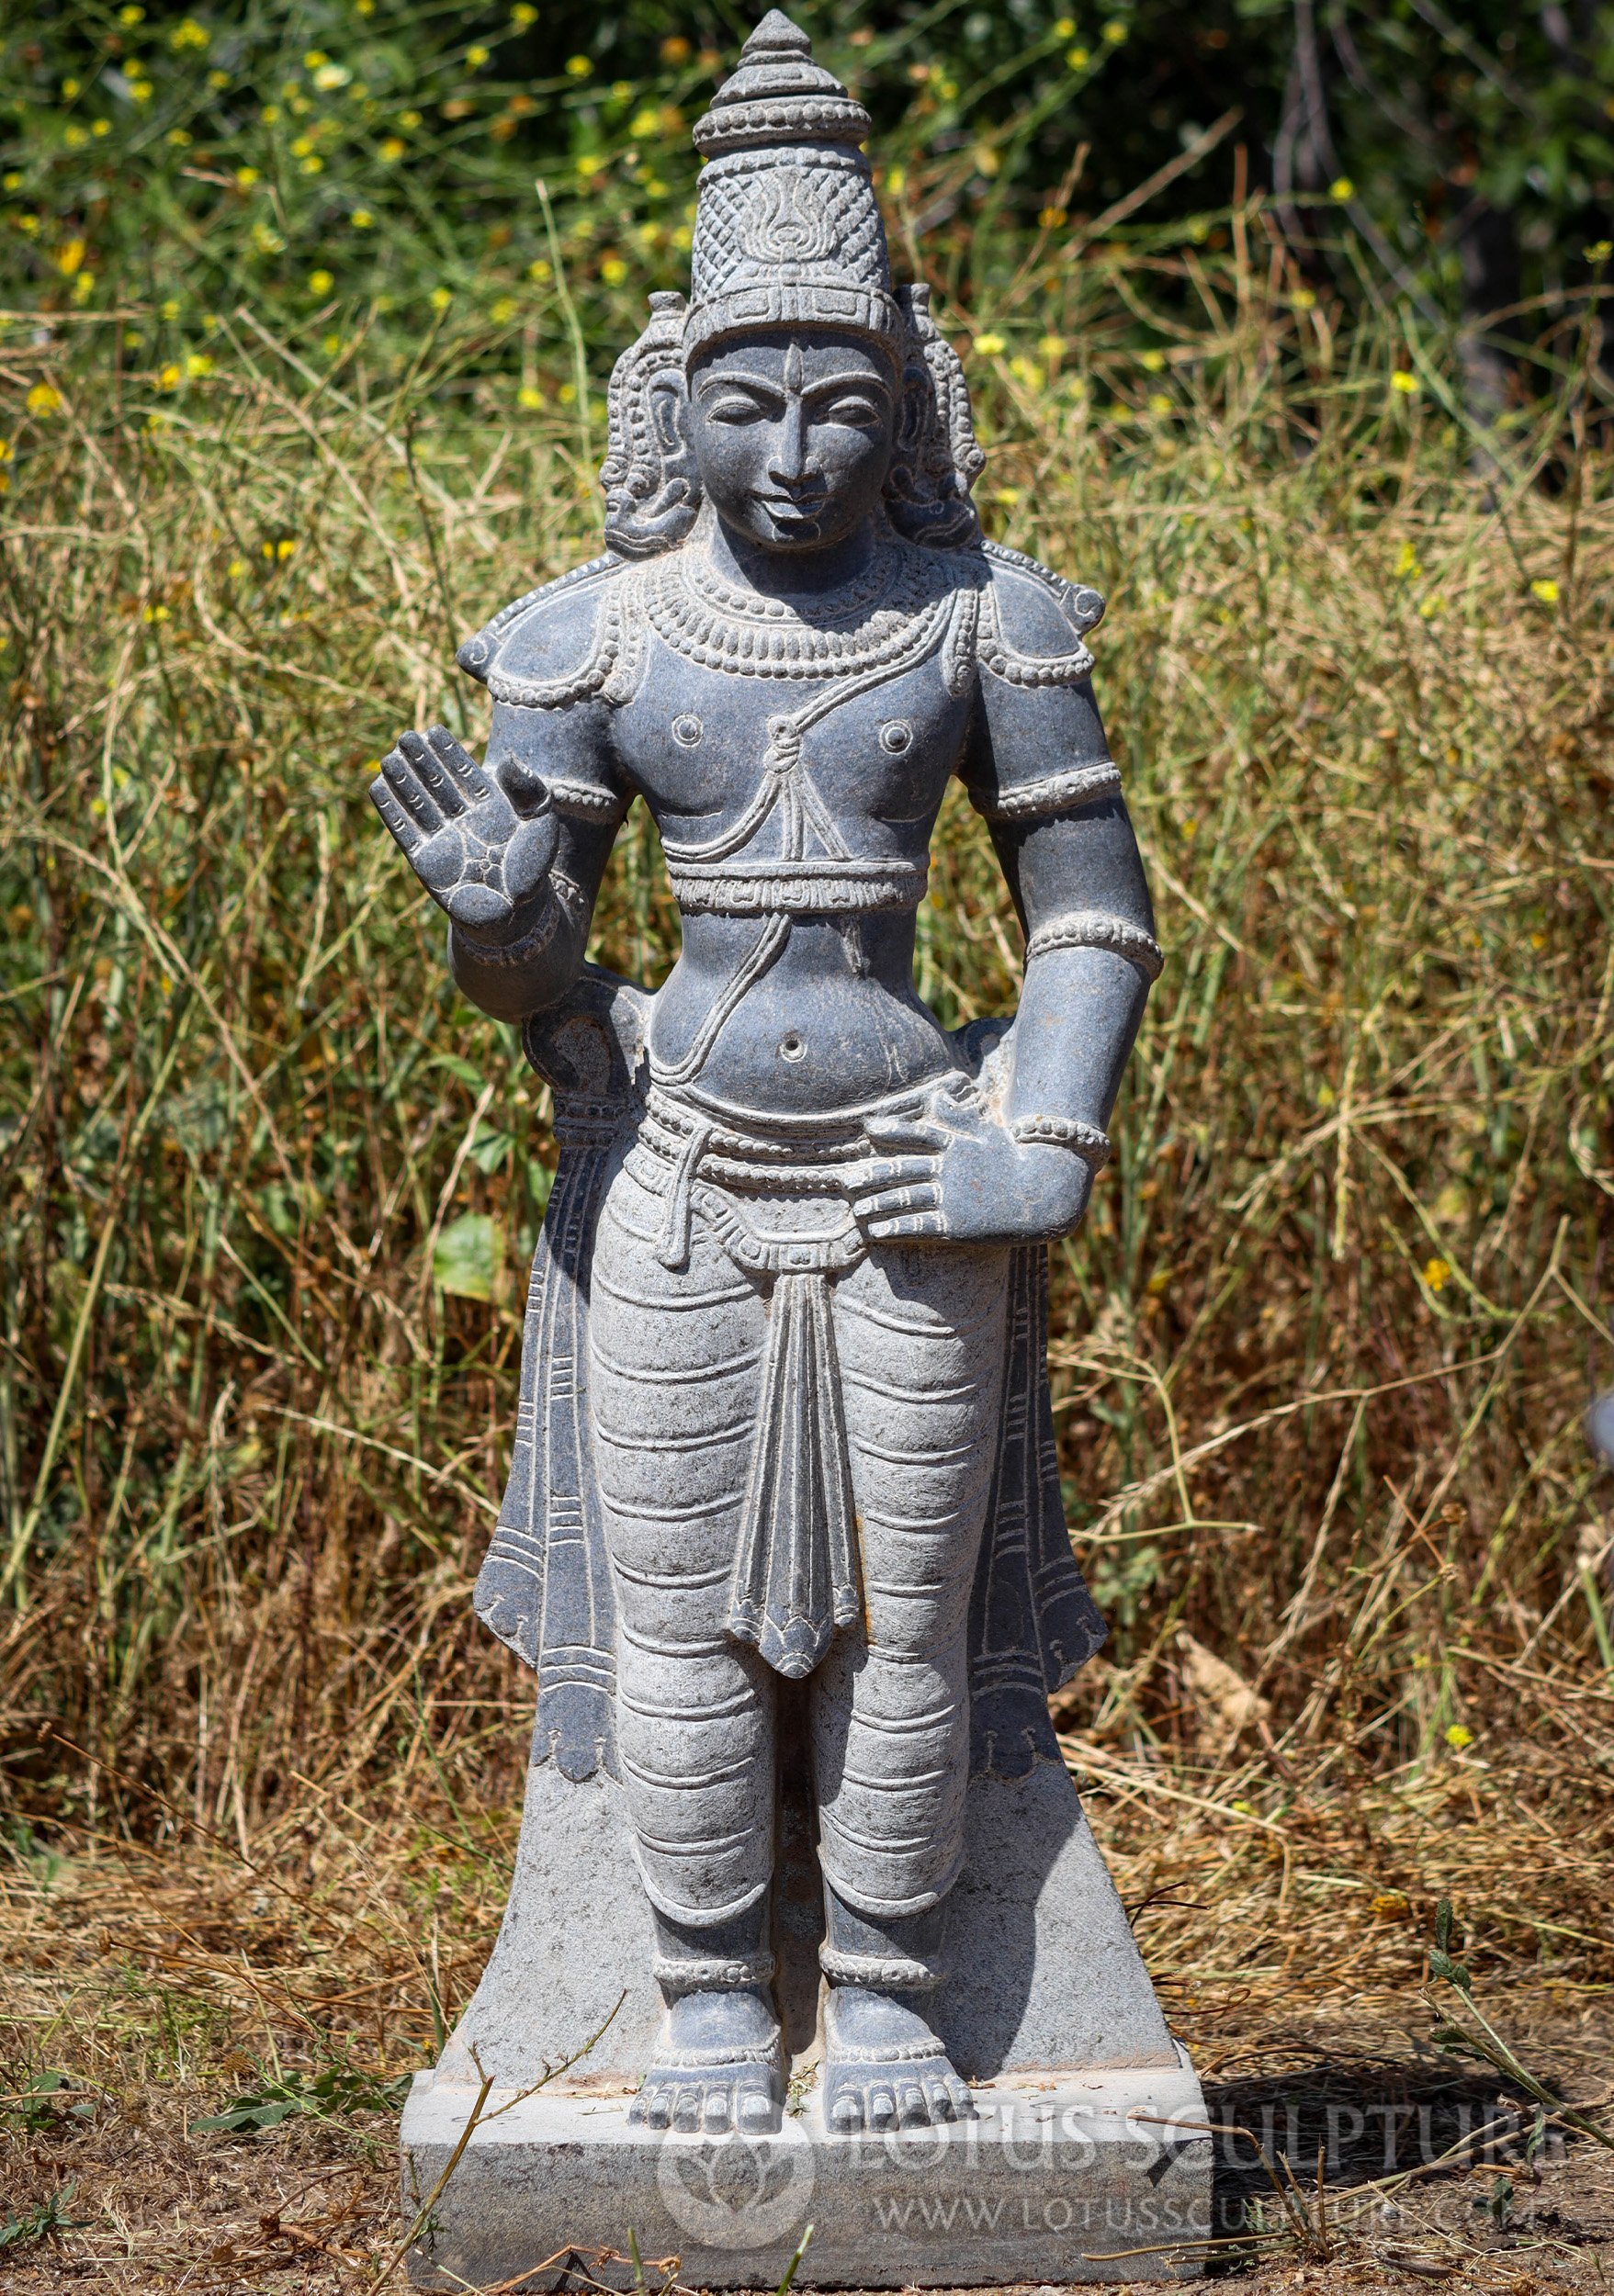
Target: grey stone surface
{"points": [[1105, 2176], [783, 1538], [1042, 1970]]}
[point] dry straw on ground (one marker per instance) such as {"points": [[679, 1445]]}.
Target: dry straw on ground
{"points": [[1320, 1357]]}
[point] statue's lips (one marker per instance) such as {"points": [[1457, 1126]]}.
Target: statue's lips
{"points": [[788, 506]]}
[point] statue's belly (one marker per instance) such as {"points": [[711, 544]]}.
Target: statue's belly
{"points": [[829, 1024]]}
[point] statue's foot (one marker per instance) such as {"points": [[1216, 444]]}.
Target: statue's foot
{"points": [[884, 2068], [716, 2067]]}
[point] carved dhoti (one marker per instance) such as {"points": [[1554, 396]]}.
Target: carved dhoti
{"points": [[700, 1480]]}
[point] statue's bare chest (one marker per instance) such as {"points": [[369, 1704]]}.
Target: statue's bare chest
{"points": [[877, 748]]}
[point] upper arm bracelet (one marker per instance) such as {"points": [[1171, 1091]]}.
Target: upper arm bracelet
{"points": [[1055, 793], [1093, 928]]}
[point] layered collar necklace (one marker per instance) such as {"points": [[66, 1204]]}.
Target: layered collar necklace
{"points": [[898, 600]]}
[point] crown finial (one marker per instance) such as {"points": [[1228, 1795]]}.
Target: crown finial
{"points": [[776, 35], [777, 95]]}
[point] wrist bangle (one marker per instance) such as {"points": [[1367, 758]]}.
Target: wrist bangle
{"points": [[1085, 1141]]}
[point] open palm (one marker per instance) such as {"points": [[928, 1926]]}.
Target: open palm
{"points": [[481, 844]]}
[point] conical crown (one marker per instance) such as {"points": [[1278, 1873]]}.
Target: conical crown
{"points": [[787, 231]]}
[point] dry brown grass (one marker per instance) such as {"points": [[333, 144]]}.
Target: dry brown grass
{"points": [[1320, 1357]]}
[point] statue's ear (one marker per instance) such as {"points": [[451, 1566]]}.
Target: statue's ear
{"points": [[668, 401]]}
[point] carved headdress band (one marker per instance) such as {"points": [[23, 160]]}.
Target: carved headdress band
{"points": [[787, 231]]}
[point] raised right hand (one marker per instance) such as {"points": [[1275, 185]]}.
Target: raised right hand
{"points": [[481, 844]]}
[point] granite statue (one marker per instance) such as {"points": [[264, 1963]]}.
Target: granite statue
{"points": [[783, 1503]]}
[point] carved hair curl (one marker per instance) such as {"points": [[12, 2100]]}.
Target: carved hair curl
{"points": [[652, 488]]}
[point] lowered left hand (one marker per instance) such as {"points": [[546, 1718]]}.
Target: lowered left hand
{"points": [[957, 1174]]}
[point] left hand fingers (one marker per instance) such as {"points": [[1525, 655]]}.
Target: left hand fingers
{"points": [[925, 1197], [896, 1134], [875, 1172], [912, 1224]]}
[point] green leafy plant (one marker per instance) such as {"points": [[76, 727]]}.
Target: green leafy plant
{"points": [[335, 2094], [40, 2222]]}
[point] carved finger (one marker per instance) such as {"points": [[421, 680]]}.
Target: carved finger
{"points": [[433, 776], [406, 787], [525, 786], [875, 1172], [923, 1198], [910, 1224], [909, 1134], [459, 765], [528, 855], [386, 804]]}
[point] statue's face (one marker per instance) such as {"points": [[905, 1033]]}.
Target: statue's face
{"points": [[791, 435]]}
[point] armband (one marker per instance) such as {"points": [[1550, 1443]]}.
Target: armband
{"points": [[1091, 929]]}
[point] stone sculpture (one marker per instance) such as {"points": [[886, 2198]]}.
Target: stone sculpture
{"points": [[783, 1538]]}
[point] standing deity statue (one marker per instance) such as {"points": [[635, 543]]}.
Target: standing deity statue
{"points": [[785, 1460]]}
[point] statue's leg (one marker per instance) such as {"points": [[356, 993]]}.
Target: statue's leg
{"points": [[919, 1335], [675, 1368]]}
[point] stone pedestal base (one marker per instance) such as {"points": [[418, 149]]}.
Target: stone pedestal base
{"points": [[1104, 2176]]}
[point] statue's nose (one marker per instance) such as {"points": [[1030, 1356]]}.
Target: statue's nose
{"points": [[787, 462]]}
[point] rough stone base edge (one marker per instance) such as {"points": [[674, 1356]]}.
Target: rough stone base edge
{"points": [[1072, 2179]]}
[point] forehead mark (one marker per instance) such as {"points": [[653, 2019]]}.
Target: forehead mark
{"points": [[795, 366]]}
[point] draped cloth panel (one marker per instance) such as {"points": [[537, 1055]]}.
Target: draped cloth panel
{"points": [[545, 1588]]}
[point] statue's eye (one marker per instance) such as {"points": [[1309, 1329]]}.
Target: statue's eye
{"points": [[735, 406], [852, 407]]}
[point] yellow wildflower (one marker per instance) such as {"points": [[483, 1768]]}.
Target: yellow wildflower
{"points": [[1546, 591], [155, 613], [331, 76], [1052, 346], [139, 91], [392, 149], [44, 398], [523, 14], [188, 33], [613, 270], [529, 397], [131, 15], [246, 178], [312, 165], [1437, 1273], [579, 67], [1078, 58], [645, 123], [1405, 382], [1342, 189], [440, 298], [169, 375], [989, 345], [312, 58], [70, 257], [321, 283], [362, 220], [540, 271], [408, 120], [197, 365], [69, 88], [1457, 1737], [100, 127], [236, 568], [477, 57], [1152, 361], [503, 311]]}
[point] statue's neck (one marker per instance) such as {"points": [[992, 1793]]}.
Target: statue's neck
{"points": [[785, 573]]}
